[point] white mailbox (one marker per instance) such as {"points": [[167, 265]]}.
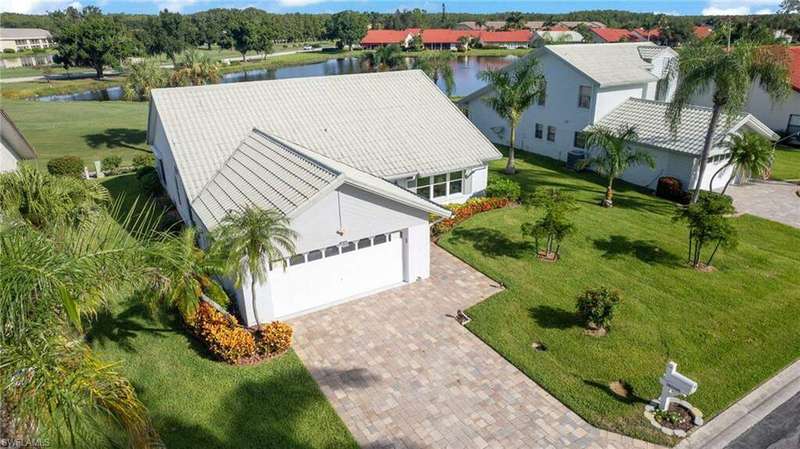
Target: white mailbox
{"points": [[674, 383]]}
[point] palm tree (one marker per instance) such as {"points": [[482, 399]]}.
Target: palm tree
{"points": [[730, 73], [144, 76], [252, 238], [515, 89], [195, 70], [751, 155], [385, 58], [438, 67], [617, 154]]}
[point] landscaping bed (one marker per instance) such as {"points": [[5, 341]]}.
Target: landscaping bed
{"points": [[729, 330]]}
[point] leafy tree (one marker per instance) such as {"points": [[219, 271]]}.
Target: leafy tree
{"points": [[252, 239], [348, 27], [208, 29], [704, 65], [437, 66], [250, 34], [709, 222], [617, 154], [143, 77], [167, 33], [514, 89], [515, 20], [751, 154], [416, 43], [553, 226], [790, 6]]}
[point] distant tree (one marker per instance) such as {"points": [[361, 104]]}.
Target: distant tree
{"points": [[790, 6], [617, 154], [438, 67], [195, 70], [143, 77], [514, 89], [249, 34], [167, 33], [348, 27], [515, 20], [709, 221], [751, 154], [729, 74], [416, 43], [385, 58], [585, 32]]}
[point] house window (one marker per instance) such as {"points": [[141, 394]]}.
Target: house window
{"points": [[423, 186], [440, 186], [378, 239], [364, 243], [580, 140], [456, 182], [331, 251], [539, 131], [543, 96], [585, 97], [297, 259], [314, 255], [551, 133], [349, 247]]}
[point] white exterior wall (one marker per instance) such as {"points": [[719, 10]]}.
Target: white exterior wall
{"points": [[171, 181], [8, 158], [609, 98], [474, 184], [774, 115], [668, 163]]}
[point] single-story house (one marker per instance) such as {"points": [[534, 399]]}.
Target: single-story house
{"points": [[382, 38], [678, 154], [506, 39], [356, 162], [613, 35], [21, 39], [13, 145], [702, 31], [445, 39], [545, 37], [574, 24]]}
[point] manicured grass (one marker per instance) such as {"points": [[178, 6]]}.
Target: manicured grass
{"points": [[198, 402], [729, 330], [90, 130], [787, 164]]}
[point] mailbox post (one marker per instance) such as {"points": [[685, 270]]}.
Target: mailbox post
{"points": [[674, 383]]}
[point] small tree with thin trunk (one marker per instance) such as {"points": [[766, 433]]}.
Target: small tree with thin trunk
{"points": [[252, 239], [617, 154], [438, 67], [553, 226], [709, 224], [514, 89], [751, 155]]}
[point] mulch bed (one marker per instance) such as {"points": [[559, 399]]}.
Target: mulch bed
{"points": [[686, 422]]}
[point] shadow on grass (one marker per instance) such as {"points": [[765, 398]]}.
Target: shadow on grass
{"points": [[491, 242], [550, 317], [630, 399], [122, 328], [118, 138], [616, 246]]}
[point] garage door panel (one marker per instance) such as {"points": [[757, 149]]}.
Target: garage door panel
{"points": [[335, 278]]}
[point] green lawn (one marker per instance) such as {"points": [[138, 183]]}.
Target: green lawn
{"points": [[729, 330], [90, 130], [787, 164]]}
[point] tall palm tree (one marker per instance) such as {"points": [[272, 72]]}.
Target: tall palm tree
{"points": [[729, 73], [438, 67], [515, 88], [617, 154], [252, 238], [751, 155]]}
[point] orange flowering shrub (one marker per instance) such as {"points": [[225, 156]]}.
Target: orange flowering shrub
{"points": [[275, 337], [463, 211], [223, 335]]}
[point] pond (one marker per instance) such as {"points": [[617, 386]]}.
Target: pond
{"points": [[465, 74]]}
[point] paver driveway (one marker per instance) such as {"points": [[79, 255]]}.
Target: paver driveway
{"points": [[772, 200], [403, 374]]}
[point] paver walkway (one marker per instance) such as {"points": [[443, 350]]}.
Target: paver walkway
{"points": [[772, 200], [403, 374]]}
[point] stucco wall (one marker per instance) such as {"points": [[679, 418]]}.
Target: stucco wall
{"points": [[774, 115], [8, 158]]}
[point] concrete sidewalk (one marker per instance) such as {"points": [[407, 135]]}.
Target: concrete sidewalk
{"points": [[741, 416]]}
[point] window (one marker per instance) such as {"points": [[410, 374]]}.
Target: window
{"points": [[331, 251], [314, 255], [350, 246], [378, 239], [456, 182], [423, 186], [580, 140], [440, 186], [543, 97], [585, 97], [364, 243], [551, 133], [539, 130], [297, 259]]}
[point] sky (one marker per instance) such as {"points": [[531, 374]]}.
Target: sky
{"points": [[673, 7]]}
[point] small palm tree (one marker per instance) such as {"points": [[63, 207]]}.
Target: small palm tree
{"points": [[617, 154], [751, 155], [144, 76], [251, 239], [385, 58], [730, 73], [438, 67], [514, 89]]}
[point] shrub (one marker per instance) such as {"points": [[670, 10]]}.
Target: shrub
{"points": [[596, 307], [669, 188], [112, 162], [9, 50], [504, 188], [66, 166], [38, 50], [275, 338], [214, 291], [463, 211], [222, 334], [144, 160]]}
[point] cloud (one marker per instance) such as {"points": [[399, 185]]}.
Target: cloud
{"points": [[35, 6], [740, 7], [175, 5], [298, 3]]}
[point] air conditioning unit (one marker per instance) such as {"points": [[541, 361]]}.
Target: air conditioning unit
{"points": [[575, 158]]}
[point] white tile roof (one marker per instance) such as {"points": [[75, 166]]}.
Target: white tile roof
{"points": [[24, 33], [652, 126], [560, 36], [272, 173], [608, 64], [388, 124]]}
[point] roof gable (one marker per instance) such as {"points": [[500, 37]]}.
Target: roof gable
{"points": [[617, 35], [14, 137]]}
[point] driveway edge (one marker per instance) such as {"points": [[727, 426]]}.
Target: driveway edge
{"points": [[741, 416]]}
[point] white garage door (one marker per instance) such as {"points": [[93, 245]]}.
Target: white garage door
{"points": [[326, 276]]}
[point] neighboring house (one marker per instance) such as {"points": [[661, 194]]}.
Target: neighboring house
{"points": [[13, 145], [574, 24], [613, 35], [506, 39], [445, 39], [546, 37], [702, 31], [20, 39], [356, 162], [382, 38], [779, 116]]}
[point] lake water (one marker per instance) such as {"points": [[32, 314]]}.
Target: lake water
{"points": [[465, 74]]}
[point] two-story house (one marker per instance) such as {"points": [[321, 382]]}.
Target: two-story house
{"points": [[615, 85]]}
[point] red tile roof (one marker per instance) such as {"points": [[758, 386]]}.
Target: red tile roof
{"points": [[702, 31], [653, 33], [617, 35], [445, 36], [506, 36], [794, 67], [379, 37]]}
